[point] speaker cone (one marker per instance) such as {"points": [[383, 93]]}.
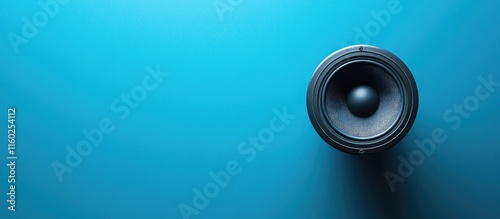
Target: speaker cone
{"points": [[362, 99]]}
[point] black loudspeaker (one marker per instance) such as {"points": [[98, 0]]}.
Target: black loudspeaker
{"points": [[362, 99]]}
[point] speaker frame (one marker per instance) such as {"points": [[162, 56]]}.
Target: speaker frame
{"points": [[316, 99]]}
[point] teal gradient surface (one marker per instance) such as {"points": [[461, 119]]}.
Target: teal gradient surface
{"points": [[231, 76]]}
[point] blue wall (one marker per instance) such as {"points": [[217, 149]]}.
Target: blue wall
{"points": [[132, 109]]}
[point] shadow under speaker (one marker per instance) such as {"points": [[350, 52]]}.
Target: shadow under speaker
{"points": [[362, 99]]}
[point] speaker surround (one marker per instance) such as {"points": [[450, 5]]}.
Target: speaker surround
{"points": [[362, 99]]}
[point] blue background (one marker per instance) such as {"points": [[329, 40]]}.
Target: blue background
{"points": [[226, 75]]}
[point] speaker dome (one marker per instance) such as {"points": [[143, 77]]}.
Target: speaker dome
{"points": [[362, 99]]}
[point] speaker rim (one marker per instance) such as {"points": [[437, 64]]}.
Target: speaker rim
{"points": [[398, 68]]}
